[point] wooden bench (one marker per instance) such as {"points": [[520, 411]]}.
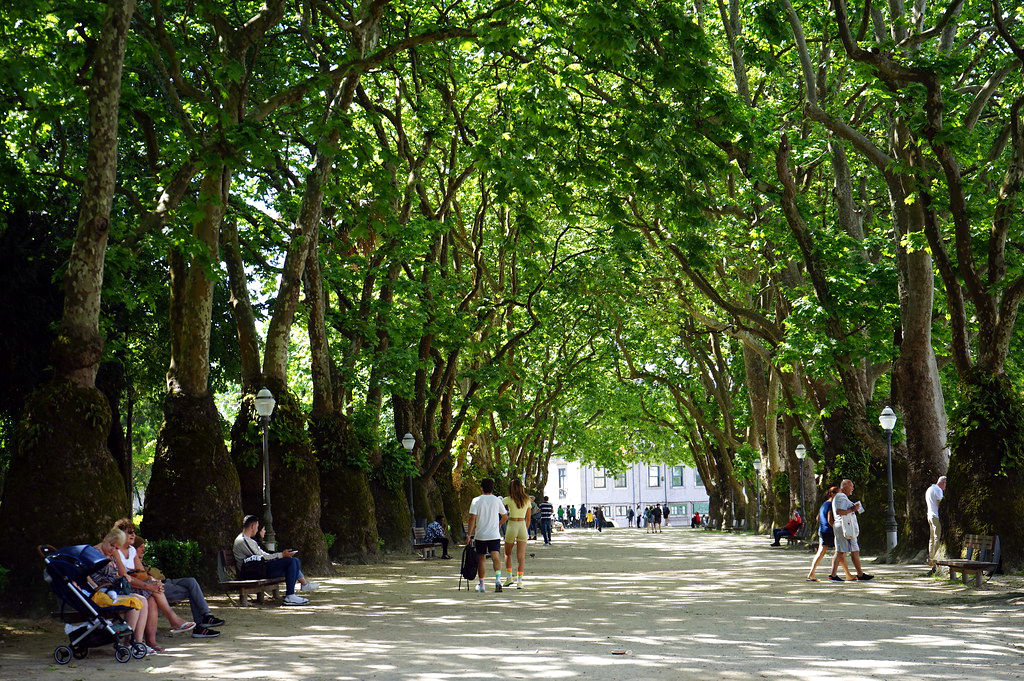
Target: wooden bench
{"points": [[981, 554], [244, 587], [426, 548]]}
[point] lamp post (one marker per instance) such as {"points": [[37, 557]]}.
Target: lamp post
{"points": [[801, 453], [757, 486], [888, 421], [409, 442], [265, 407]]}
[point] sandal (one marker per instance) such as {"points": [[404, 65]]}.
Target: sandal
{"points": [[185, 626], [812, 579], [155, 649]]}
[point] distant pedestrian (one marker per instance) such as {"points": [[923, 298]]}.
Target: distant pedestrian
{"points": [[629, 516], [561, 514], [583, 516], [599, 518], [590, 519], [547, 516], [486, 514], [648, 520], [932, 497], [664, 513], [826, 534], [534, 525], [572, 515], [656, 514], [640, 517], [843, 506]]}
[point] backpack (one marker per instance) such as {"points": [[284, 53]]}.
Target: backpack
{"points": [[468, 568]]}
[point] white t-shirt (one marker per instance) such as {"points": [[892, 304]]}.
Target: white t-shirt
{"points": [[128, 557], [932, 497], [488, 509]]}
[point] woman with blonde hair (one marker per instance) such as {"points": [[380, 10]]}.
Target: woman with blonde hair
{"points": [[110, 573], [519, 510]]}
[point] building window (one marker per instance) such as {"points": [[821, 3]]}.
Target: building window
{"points": [[677, 509], [599, 482], [701, 507], [677, 476], [561, 478], [620, 479], [698, 479], [654, 476], [620, 511]]}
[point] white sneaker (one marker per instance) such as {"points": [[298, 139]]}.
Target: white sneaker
{"points": [[480, 588], [295, 599], [310, 586]]}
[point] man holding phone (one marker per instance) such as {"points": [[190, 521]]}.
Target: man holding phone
{"points": [[255, 563]]}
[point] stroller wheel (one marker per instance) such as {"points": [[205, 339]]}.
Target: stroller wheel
{"points": [[80, 653], [122, 653], [62, 655], [138, 650]]}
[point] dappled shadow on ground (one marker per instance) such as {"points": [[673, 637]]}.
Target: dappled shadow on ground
{"points": [[617, 605]]}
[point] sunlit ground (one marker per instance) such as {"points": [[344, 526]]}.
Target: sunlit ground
{"points": [[620, 605]]}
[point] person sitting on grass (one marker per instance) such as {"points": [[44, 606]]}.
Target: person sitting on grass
{"points": [[790, 530], [255, 563], [434, 532], [183, 589]]}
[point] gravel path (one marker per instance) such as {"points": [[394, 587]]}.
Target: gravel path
{"points": [[618, 606]]}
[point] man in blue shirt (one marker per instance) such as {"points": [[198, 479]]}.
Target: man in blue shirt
{"points": [[434, 532]]}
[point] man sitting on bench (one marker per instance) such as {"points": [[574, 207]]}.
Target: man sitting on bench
{"points": [[434, 532], [255, 563], [790, 530]]}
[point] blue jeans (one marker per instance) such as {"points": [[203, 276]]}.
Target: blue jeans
{"points": [[289, 568], [545, 529]]}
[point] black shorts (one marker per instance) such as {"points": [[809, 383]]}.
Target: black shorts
{"points": [[485, 546], [827, 539]]}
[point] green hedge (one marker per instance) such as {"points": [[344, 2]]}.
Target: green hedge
{"points": [[174, 557]]}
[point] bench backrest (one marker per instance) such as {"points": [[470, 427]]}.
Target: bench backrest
{"points": [[226, 563], [419, 534], [979, 547]]}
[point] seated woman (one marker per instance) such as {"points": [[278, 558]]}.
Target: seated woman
{"points": [[129, 565], [791, 528], [108, 574]]}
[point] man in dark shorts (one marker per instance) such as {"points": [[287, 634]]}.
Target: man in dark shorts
{"points": [[486, 515], [656, 511]]}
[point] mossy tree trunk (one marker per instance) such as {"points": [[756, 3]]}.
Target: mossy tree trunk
{"points": [[393, 521], [61, 451], [346, 500], [294, 476], [63, 487], [193, 491], [986, 469]]}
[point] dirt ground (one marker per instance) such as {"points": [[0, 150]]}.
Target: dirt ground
{"points": [[620, 605]]}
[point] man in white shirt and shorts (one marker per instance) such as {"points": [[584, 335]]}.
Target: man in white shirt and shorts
{"points": [[932, 497], [486, 514], [841, 506]]}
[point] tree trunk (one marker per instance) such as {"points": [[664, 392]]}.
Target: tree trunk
{"points": [[110, 380], [393, 521], [193, 491], [294, 475], [62, 488], [986, 469]]}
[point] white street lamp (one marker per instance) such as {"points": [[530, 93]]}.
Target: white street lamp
{"points": [[409, 442], [265, 404], [757, 486], [801, 454], [887, 420]]}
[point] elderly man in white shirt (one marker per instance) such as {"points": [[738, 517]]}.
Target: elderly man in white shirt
{"points": [[932, 497]]}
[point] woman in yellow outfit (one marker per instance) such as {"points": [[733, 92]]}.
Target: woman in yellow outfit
{"points": [[518, 504]]}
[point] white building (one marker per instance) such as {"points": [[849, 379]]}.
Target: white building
{"points": [[680, 487]]}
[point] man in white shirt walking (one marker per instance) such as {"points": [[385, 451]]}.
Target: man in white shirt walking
{"points": [[932, 497], [486, 514]]}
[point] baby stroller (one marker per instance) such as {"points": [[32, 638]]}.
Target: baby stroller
{"points": [[66, 571]]}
